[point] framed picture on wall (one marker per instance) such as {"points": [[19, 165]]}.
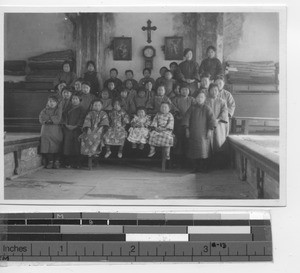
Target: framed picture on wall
{"points": [[122, 48], [173, 48]]}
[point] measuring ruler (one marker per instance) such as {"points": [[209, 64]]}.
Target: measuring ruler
{"points": [[134, 237]]}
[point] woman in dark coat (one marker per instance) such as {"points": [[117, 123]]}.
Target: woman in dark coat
{"points": [[92, 77], [188, 71], [72, 130], [211, 64]]}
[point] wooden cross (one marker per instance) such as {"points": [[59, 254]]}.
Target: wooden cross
{"points": [[149, 28]]}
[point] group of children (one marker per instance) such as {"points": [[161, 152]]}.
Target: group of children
{"points": [[78, 120]]}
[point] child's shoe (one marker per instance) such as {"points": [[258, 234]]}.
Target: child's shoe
{"points": [[152, 152], [120, 154], [56, 165], [49, 165], [108, 153]]}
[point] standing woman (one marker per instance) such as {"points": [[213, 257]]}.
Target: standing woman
{"points": [[92, 76], [188, 71], [211, 64]]}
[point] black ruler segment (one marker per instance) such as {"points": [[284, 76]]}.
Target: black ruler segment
{"points": [[133, 237]]}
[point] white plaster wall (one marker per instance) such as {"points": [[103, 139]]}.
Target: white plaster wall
{"points": [[129, 25], [260, 39], [30, 34]]}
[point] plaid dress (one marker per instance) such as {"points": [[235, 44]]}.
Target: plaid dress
{"points": [[164, 138], [90, 142], [139, 133], [116, 133]]}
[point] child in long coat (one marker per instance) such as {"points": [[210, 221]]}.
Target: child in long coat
{"points": [[116, 133], [51, 132], [162, 135], [72, 130], [94, 126], [87, 97], [220, 111], [182, 103], [199, 123]]}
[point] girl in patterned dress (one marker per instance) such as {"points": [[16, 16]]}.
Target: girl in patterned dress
{"points": [[94, 127], [116, 134], [139, 132], [162, 136]]}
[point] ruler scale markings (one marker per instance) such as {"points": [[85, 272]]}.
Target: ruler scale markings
{"points": [[227, 245]]}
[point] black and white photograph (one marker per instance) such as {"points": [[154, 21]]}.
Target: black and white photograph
{"points": [[107, 107]]}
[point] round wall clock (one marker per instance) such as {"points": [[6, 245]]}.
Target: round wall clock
{"points": [[148, 52]]}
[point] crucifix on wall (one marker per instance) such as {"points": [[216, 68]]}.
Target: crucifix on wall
{"points": [[149, 28]]}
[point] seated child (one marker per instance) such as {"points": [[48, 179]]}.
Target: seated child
{"points": [[159, 81], [65, 102], [204, 84], [125, 101], [147, 76], [139, 132], [51, 132], [220, 112], [86, 97], [131, 92], [92, 77], [159, 98], [140, 100], [149, 89], [169, 83], [182, 103], [113, 77], [72, 130], [116, 134], [65, 75], [161, 136], [77, 84], [113, 91], [199, 123], [95, 124], [129, 76], [106, 101]]}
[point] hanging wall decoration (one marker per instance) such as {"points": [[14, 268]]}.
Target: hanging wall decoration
{"points": [[122, 48], [173, 48]]}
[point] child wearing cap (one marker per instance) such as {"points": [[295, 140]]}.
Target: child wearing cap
{"points": [[72, 130], [51, 132]]}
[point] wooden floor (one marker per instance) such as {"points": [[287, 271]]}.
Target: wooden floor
{"points": [[121, 180]]}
